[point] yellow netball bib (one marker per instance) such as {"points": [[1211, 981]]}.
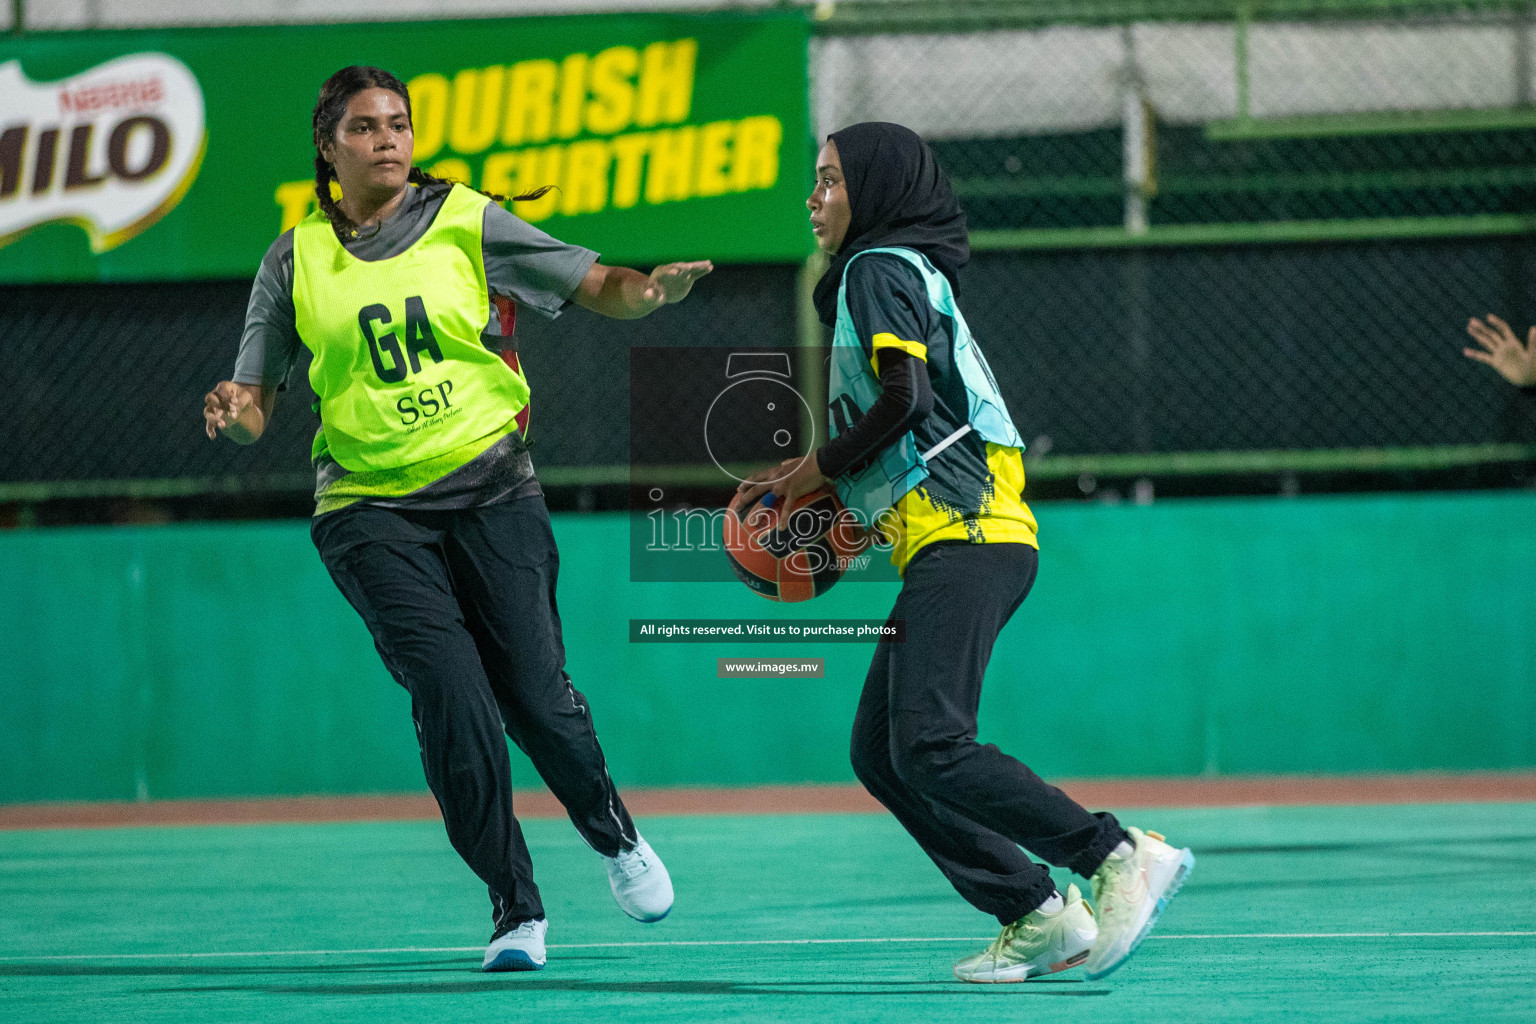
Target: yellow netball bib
{"points": [[399, 366]]}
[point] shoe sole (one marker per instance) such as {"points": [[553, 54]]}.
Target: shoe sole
{"points": [[1061, 965], [647, 920], [1186, 865], [514, 960]]}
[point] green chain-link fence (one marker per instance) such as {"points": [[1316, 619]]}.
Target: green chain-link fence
{"points": [[1225, 236], [1311, 120], [1209, 238]]}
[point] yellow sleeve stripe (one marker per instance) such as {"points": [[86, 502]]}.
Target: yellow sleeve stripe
{"points": [[887, 340]]}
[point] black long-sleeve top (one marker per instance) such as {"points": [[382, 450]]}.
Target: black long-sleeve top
{"points": [[905, 400]]}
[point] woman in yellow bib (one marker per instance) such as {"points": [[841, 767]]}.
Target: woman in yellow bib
{"points": [[428, 515]]}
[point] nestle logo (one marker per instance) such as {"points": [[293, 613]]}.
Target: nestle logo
{"points": [[111, 96], [111, 150]]}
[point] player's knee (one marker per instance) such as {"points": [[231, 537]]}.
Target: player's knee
{"points": [[866, 762], [424, 652], [869, 754], [923, 764], [556, 715]]}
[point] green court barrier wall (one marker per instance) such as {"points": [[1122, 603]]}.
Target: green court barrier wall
{"points": [[1353, 634]]}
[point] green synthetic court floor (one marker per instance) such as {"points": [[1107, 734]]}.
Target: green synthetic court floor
{"points": [[1293, 914]]}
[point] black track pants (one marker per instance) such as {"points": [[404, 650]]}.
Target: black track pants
{"points": [[969, 805], [461, 605]]}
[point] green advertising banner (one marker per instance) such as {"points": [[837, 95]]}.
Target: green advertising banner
{"points": [[181, 154]]}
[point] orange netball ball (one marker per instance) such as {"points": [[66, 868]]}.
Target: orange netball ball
{"points": [[794, 553]]}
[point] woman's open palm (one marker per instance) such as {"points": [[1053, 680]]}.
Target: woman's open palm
{"points": [[1501, 349]]}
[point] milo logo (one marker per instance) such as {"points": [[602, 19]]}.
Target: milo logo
{"points": [[112, 149]]}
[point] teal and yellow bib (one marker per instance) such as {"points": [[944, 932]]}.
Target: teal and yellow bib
{"points": [[399, 365], [854, 386]]}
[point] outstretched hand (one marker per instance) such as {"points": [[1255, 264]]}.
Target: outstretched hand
{"points": [[1502, 350], [671, 282], [626, 294]]}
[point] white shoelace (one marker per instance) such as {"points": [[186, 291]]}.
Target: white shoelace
{"points": [[631, 862]]}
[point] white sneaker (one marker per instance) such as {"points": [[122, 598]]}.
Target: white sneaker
{"points": [[521, 949], [640, 883], [1036, 944], [1131, 892]]}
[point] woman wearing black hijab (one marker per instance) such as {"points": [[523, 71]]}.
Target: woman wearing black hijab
{"points": [[924, 446]]}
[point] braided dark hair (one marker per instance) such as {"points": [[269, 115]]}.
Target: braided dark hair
{"points": [[335, 94]]}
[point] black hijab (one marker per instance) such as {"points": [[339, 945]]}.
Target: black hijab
{"points": [[900, 196]]}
